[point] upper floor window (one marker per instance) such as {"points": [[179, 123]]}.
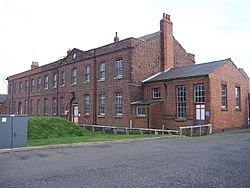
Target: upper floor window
{"points": [[118, 104], [118, 68], [156, 92], [26, 86], [54, 77], [20, 87], [39, 84], [15, 88], [224, 96], [181, 102], [199, 93], [46, 82], [101, 71], [237, 96], [73, 76], [102, 105], [10, 88], [86, 105], [87, 74], [32, 85], [62, 83]]}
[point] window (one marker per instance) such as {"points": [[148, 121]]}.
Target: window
{"points": [[87, 74], [39, 84], [54, 77], [62, 113], [26, 86], [26, 107], [181, 102], [102, 105], [156, 93], [53, 106], [32, 85], [199, 93], [237, 96], [46, 82], [223, 96], [140, 111], [118, 104], [73, 76], [20, 87], [86, 105], [10, 88], [31, 107], [101, 70], [15, 88], [38, 105], [118, 68], [45, 106], [62, 78]]}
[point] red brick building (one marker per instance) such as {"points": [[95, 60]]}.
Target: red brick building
{"points": [[2, 100], [116, 84]]}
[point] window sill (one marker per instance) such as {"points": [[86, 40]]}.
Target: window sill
{"points": [[224, 109], [73, 84], [86, 82], [118, 116], [101, 116], [181, 120], [101, 80], [118, 78], [62, 85]]}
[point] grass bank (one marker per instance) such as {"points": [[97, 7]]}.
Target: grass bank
{"points": [[55, 130]]}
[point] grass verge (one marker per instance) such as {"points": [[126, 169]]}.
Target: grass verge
{"points": [[55, 130]]}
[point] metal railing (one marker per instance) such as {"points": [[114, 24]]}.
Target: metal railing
{"points": [[199, 127], [127, 130]]}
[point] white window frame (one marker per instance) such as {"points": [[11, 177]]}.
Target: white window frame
{"points": [[118, 69], [199, 93], [118, 104], [237, 97], [87, 105], [54, 79], [87, 74], [101, 101], [181, 102], [101, 72], [224, 96], [74, 76], [156, 92], [139, 112], [46, 82]]}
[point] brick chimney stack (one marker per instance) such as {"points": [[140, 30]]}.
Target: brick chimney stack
{"points": [[116, 38], [167, 44], [34, 65]]}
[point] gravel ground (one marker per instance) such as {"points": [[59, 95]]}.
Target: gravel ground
{"points": [[219, 160]]}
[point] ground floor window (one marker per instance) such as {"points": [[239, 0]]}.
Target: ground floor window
{"points": [[141, 111], [181, 102], [118, 104]]}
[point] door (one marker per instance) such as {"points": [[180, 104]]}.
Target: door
{"points": [[20, 108], [200, 114], [74, 113]]}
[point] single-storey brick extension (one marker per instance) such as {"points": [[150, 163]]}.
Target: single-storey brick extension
{"points": [[147, 82]]}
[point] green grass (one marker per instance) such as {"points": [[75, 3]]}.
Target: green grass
{"points": [[55, 130]]}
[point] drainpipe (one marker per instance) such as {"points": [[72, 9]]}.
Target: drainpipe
{"points": [[94, 90], [29, 88], [57, 91]]}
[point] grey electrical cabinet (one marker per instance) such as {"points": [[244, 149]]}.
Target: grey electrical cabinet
{"points": [[13, 131]]}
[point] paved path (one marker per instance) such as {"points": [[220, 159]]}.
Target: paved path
{"points": [[220, 160]]}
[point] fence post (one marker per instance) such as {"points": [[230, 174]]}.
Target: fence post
{"points": [[200, 130], [191, 132], [180, 131], [93, 128]]}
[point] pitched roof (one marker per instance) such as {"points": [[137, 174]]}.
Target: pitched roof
{"points": [[3, 97], [149, 36], [202, 69]]}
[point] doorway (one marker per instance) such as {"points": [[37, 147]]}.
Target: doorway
{"points": [[200, 114], [74, 110], [20, 109]]}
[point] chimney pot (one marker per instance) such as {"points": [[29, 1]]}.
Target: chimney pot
{"points": [[116, 38], [34, 65]]}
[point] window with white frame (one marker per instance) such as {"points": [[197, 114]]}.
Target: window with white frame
{"points": [[101, 71], [181, 102], [62, 83], [156, 92], [199, 93], [46, 82], [73, 76], [20, 87], [38, 105], [101, 105], [62, 112], [87, 74], [86, 105], [141, 111], [54, 106], [15, 88], [39, 84], [118, 104], [223, 96], [54, 77], [32, 85], [237, 96], [26, 86], [118, 68], [26, 107], [31, 107]]}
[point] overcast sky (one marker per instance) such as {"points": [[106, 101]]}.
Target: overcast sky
{"points": [[43, 30]]}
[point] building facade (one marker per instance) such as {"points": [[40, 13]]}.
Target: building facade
{"points": [[112, 85]]}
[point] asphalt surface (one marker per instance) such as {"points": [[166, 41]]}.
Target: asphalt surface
{"points": [[219, 160]]}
